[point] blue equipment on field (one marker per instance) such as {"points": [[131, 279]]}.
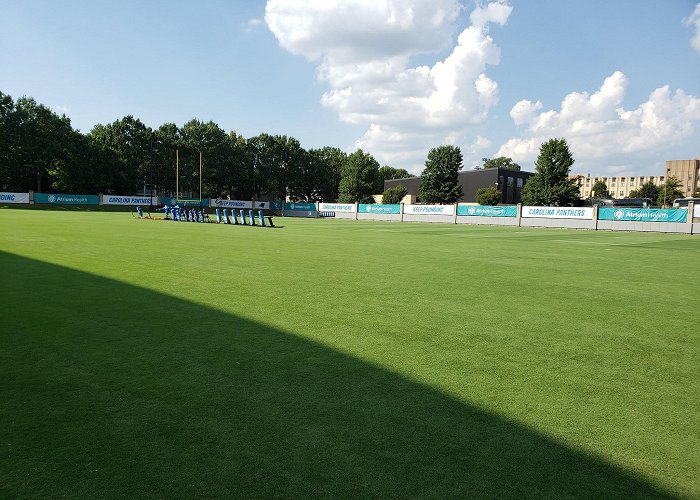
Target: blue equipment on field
{"points": [[138, 209], [200, 215], [226, 217], [243, 219], [261, 217], [234, 217], [252, 217], [218, 216]]}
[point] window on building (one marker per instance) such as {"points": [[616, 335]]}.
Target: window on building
{"points": [[519, 183], [622, 193], [511, 181], [641, 180]]}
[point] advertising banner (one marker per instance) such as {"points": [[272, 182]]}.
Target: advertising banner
{"points": [[487, 211], [300, 206], [379, 208], [222, 203], [67, 199], [172, 201], [14, 197], [429, 209], [337, 207], [128, 200], [696, 210], [644, 214], [558, 212]]}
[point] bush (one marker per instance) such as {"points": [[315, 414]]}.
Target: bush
{"points": [[488, 196], [394, 195]]}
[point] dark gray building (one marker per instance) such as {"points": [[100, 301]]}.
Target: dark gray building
{"points": [[509, 182]]}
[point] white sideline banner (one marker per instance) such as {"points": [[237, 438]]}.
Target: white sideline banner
{"points": [[696, 210], [337, 207], [429, 209], [558, 212], [221, 203], [14, 197], [127, 200]]}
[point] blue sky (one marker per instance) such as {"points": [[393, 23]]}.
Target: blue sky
{"points": [[619, 79]]}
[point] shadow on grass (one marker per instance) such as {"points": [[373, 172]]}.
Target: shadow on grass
{"points": [[109, 390]]}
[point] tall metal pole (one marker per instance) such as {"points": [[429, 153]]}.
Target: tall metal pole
{"points": [[200, 178], [177, 174]]}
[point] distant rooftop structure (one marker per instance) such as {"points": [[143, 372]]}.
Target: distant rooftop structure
{"points": [[509, 182]]}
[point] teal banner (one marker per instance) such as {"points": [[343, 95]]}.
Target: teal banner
{"points": [[487, 211], [643, 214], [378, 208], [67, 199], [165, 200], [300, 206]]}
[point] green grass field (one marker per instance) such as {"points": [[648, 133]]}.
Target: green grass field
{"points": [[150, 359]]}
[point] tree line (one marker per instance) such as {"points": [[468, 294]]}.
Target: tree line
{"points": [[40, 151]]}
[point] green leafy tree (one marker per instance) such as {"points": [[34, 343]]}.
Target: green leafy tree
{"points": [[275, 160], [385, 173], [166, 140], [212, 142], [551, 185], [439, 180], [488, 196], [600, 190], [696, 193], [33, 141], [320, 176], [646, 190], [358, 178], [126, 147], [394, 194], [500, 162], [669, 191]]}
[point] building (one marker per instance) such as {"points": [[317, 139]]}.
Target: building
{"points": [[509, 182], [618, 186], [686, 171]]}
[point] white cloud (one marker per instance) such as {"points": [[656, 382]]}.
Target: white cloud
{"points": [[61, 110], [694, 20], [363, 49], [495, 12], [251, 24], [597, 127]]}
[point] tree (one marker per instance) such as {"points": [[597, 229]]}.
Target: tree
{"points": [[500, 162], [696, 193], [33, 141], [358, 178], [126, 147], [394, 194], [669, 191], [646, 190], [386, 173], [440, 178], [551, 186], [600, 190], [488, 196], [166, 140], [320, 176]]}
